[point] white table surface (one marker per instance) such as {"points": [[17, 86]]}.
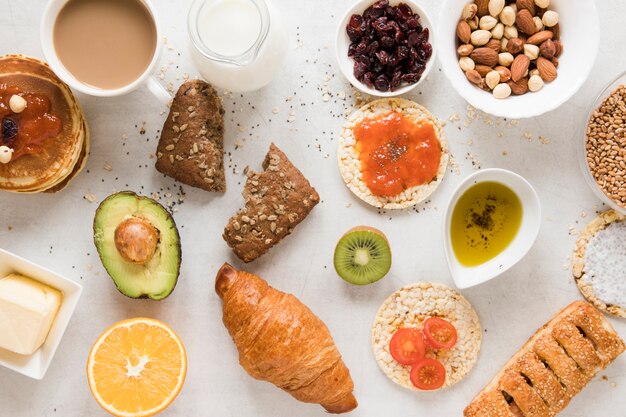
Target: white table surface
{"points": [[55, 230]]}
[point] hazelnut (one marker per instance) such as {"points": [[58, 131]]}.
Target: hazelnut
{"points": [[502, 91], [504, 72], [467, 63], [17, 103], [515, 46], [6, 154], [550, 18], [535, 83]]}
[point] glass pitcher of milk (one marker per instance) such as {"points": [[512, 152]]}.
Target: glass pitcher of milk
{"points": [[236, 45]]}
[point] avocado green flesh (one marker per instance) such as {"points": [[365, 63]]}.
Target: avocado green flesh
{"points": [[156, 278]]}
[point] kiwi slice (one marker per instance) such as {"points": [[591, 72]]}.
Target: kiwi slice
{"points": [[362, 256]]}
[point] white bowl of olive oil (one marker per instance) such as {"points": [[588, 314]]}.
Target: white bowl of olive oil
{"points": [[491, 222]]}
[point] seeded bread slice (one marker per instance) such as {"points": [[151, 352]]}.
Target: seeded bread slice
{"points": [[191, 148], [276, 201]]}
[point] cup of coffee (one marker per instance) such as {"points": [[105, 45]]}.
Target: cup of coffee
{"points": [[103, 48]]}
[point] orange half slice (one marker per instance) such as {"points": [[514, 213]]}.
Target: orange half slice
{"points": [[136, 368]]}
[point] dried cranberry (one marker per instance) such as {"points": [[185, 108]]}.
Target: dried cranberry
{"points": [[404, 11], [373, 13], [361, 48], [380, 24], [396, 80], [368, 79], [399, 36], [9, 131], [412, 40], [387, 42], [425, 52], [364, 59], [411, 78], [382, 83], [413, 21], [372, 47], [394, 60], [381, 4], [359, 70], [383, 57], [403, 52], [351, 50]]}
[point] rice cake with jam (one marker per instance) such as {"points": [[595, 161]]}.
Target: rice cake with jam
{"points": [[350, 164], [599, 262], [409, 307]]}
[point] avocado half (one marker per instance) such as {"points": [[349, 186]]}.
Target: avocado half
{"points": [[143, 261]]}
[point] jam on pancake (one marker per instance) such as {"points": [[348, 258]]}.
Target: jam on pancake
{"points": [[26, 121], [396, 153]]}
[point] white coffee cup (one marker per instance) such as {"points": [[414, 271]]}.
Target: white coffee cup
{"points": [[47, 43]]}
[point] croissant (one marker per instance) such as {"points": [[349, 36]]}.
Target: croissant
{"points": [[281, 341]]}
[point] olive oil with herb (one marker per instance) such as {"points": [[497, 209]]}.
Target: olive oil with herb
{"points": [[485, 221]]}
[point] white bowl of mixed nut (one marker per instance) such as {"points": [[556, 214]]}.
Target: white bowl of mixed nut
{"points": [[517, 58], [385, 47], [602, 150]]}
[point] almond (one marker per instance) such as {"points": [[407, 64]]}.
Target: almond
{"points": [[485, 56], [526, 5], [547, 70], [547, 49], [520, 87], [474, 77], [483, 70], [505, 73], [540, 37], [494, 44], [525, 22], [483, 7], [465, 50], [519, 67], [515, 46], [463, 31]]}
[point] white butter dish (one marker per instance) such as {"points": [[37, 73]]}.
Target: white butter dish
{"points": [[36, 364]]}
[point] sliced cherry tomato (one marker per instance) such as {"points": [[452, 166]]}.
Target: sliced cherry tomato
{"points": [[439, 333], [407, 346], [428, 374]]}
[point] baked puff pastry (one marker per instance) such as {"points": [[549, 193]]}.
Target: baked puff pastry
{"points": [[552, 367]]}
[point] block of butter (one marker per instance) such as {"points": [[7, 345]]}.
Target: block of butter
{"points": [[27, 310]]}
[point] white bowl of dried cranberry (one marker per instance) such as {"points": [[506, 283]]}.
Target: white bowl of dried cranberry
{"points": [[579, 35], [385, 48]]}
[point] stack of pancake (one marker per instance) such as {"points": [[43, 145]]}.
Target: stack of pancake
{"points": [[63, 156]]}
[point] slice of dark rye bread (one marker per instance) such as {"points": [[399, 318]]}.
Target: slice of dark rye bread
{"points": [[191, 148], [276, 201]]}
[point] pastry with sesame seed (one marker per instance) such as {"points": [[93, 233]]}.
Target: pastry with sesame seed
{"points": [[191, 148], [276, 201], [554, 365]]}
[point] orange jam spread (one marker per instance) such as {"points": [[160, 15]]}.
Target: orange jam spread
{"points": [[26, 132], [396, 153]]}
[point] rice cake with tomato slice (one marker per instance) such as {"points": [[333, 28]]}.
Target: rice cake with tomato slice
{"points": [[410, 306], [598, 263], [350, 164]]}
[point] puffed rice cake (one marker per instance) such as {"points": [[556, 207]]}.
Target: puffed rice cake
{"points": [[350, 165], [598, 263], [409, 307]]}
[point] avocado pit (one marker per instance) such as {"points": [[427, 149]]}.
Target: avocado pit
{"points": [[136, 240]]}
